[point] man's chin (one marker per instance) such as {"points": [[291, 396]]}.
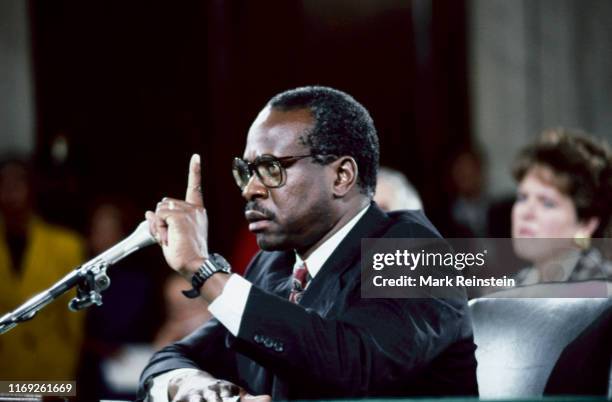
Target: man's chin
{"points": [[268, 242]]}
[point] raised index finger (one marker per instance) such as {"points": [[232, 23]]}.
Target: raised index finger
{"points": [[194, 182]]}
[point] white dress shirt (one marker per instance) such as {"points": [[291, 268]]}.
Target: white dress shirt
{"points": [[229, 306]]}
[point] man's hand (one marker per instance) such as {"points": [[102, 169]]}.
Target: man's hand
{"points": [[181, 227], [202, 387]]}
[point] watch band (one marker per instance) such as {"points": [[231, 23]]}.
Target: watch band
{"points": [[215, 263]]}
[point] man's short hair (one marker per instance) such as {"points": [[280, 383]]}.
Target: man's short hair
{"points": [[343, 127]]}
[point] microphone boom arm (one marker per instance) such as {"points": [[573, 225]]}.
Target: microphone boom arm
{"points": [[89, 278]]}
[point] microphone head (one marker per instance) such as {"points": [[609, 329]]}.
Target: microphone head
{"points": [[141, 237]]}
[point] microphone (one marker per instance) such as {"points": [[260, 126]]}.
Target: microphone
{"points": [[92, 274], [90, 279], [141, 237]]}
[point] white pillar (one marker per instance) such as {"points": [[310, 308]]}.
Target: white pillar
{"points": [[16, 88]]}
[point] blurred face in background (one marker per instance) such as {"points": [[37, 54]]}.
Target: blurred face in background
{"points": [[542, 211], [106, 228], [385, 195], [15, 193], [467, 175], [393, 192]]}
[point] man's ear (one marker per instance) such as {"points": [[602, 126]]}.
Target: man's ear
{"points": [[345, 175]]}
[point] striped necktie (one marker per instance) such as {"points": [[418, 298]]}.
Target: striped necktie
{"points": [[298, 282]]}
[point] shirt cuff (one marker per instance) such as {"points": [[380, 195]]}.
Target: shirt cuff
{"points": [[159, 389], [229, 306]]}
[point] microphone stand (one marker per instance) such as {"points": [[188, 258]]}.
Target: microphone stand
{"points": [[89, 278]]}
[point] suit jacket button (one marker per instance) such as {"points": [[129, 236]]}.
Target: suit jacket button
{"points": [[257, 338], [268, 343], [278, 347]]}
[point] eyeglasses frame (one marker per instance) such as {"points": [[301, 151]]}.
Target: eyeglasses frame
{"points": [[283, 161]]}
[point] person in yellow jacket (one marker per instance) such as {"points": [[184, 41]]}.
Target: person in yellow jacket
{"points": [[33, 256]]}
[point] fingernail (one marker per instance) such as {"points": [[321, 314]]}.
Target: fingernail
{"points": [[196, 158]]}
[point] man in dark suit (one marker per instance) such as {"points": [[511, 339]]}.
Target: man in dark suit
{"points": [[296, 326]]}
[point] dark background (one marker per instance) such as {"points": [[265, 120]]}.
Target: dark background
{"points": [[136, 87]]}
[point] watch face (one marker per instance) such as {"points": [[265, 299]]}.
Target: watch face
{"points": [[215, 263], [221, 262]]}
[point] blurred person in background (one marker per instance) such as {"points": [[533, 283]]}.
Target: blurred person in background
{"points": [[183, 315], [564, 198], [468, 209], [33, 256], [118, 333], [394, 191]]}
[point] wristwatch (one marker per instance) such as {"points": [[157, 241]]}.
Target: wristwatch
{"points": [[213, 264]]}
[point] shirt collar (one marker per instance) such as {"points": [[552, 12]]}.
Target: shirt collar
{"points": [[318, 257]]}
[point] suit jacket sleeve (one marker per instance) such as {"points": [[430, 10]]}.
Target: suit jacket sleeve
{"points": [[343, 345], [374, 346], [204, 349]]}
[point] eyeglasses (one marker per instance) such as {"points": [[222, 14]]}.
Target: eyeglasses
{"points": [[270, 170]]}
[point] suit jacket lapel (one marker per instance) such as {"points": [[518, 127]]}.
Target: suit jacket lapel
{"points": [[272, 271], [372, 224]]}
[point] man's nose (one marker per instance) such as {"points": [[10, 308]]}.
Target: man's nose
{"points": [[254, 189]]}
